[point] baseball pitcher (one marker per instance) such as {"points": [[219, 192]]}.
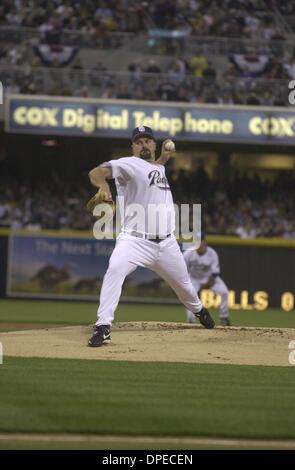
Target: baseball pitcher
{"points": [[203, 267], [140, 179]]}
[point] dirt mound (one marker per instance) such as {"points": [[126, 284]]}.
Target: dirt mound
{"points": [[157, 341]]}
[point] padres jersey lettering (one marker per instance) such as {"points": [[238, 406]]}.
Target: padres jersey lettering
{"points": [[143, 183]]}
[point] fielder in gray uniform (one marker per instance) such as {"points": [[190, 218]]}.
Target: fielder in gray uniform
{"points": [[203, 267]]}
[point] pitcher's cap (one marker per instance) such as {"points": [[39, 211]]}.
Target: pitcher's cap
{"points": [[142, 131]]}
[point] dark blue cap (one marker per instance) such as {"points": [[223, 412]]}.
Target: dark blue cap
{"points": [[142, 131]]}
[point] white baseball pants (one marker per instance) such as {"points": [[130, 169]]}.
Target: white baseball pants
{"points": [[165, 258], [219, 288]]}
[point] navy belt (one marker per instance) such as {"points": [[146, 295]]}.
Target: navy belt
{"points": [[145, 236]]}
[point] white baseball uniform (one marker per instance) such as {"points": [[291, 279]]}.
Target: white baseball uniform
{"points": [[144, 183], [200, 268]]}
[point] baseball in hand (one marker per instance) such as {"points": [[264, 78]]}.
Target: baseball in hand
{"points": [[169, 146]]}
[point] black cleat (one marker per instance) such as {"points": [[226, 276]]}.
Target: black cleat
{"points": [[225, 322], [101, 335], [205, 318]]}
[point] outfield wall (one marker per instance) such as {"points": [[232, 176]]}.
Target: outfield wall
{"points": [[260, 273]]}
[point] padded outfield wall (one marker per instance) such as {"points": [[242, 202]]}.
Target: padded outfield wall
{"points": [[259, 273]]}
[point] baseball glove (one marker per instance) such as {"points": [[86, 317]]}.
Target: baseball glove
{"points": [[99, 198]]}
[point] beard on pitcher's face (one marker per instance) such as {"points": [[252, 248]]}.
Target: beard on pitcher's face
{"points": [[145, 154]]}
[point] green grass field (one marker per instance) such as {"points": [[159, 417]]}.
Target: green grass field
{"points": [[154, 399], [74, 313], [136, 398]]}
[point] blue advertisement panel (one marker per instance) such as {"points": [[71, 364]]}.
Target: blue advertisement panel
{"points": [[191, 122], [72, 268], [60, 267]]}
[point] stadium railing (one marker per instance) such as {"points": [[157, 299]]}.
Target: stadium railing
{"points": [[155, 41], [163, 43], [290, 20], [54, 81], [20, 35]]}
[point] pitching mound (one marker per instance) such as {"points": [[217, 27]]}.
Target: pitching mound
{"points": [[153, 341]]}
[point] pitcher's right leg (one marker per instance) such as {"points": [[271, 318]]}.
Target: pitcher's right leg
{"points": [[119, 268], [129, 253]]}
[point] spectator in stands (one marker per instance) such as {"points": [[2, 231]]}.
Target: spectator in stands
{"points": [[152, 67], [97, 74], [123, 92], [198, 64], [12, 87], [176, 72], [136, 70], [290, 67], [109, 92], [253, 100], [82, 92], [184, 95], [209, 73], [167, 91]]}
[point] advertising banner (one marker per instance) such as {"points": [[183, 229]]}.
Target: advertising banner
{"points": [[117, 118], [59, 267]]}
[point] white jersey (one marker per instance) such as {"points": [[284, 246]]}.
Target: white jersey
{"points": [[201, 267], [145, 185]]}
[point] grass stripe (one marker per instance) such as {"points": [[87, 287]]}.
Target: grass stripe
{"points": [[92, 441], [173, 399], [66, 312]]}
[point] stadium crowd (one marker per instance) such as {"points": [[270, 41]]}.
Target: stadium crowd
{"points": [[229, 18], [195, 80], [244, 206], [254, 78], [94, 17]]}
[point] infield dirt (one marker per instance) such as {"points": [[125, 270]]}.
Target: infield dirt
{"points": [[155, 341]]}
